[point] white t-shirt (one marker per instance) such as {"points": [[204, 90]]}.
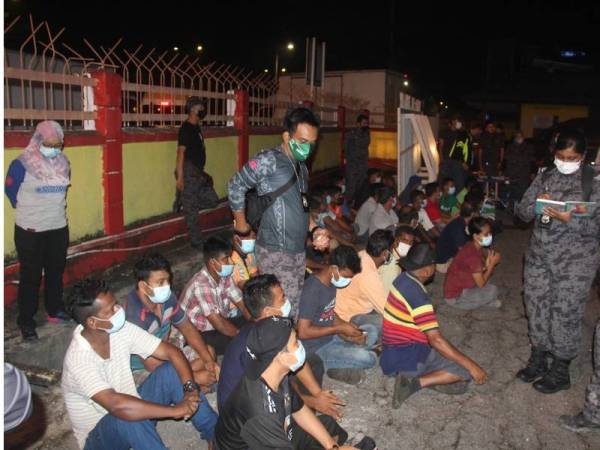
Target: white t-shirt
{"points": [[382, 219], [85, 374], [424, 220], [363, 216]]}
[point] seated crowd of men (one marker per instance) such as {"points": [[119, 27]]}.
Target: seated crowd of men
{"points": [[364, 302]]}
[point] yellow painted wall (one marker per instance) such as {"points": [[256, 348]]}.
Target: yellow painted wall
{"points": [[564, 112], [328, 152], [148, 180], [383, 145], [84, 198], [258, 143]]}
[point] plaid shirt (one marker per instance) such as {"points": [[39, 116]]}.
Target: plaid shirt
{"points": [[203, 296]]}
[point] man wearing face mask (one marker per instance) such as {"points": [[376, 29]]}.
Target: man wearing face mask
{"points": [[384, 216], [36, 186], [456, 153], [244, 259], [153, 307], [560, 263], [356, 154], [212, 301], [363, 301], [105, 408], [518, 159], [467, 283], [284, 224], [344, 347], [453, 237], [414, 349], [405, 238], [263, 411], [193, 182], [264, 298]]}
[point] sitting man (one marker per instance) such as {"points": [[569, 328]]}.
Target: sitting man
{"points": [[414, 349], [243, 258], [264, 297], [344, 348], [212, 301], [105, 408], [263, 411], [453, 237], [427, 229], [365, 212], [153, 307], [384, 216], [363, 301], [432, 205], [405, 238]]}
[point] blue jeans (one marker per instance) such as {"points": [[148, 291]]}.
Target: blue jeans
{"points": [[339, 354], [163, 386], [372, 318]]}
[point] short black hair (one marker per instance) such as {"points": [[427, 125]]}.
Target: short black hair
{"points": [[82, 301], [407, 216], [215, 248], [476, 225], [384, 194], [415, 193], [372, 170], [431, 188], [296, 116], [258, 293], [569, 138], [332, 190], [345, 257], [151, 263], [447, 180], [361, 117], [404, 229], [379, 241]]}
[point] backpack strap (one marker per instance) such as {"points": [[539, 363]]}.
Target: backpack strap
{"points": [[587, 181]]}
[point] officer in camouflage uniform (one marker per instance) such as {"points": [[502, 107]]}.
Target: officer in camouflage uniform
{"points": [[560, 265], [356, 152], [589, 419]]}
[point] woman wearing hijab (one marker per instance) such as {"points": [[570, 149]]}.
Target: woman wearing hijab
{"points": [[36, 185]]}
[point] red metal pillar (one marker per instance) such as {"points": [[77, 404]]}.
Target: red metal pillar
{"points": [[107, 98], [241, 123], [341, 123]]}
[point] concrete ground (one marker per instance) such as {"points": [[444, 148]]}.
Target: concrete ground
{"points": [[502, 414]]}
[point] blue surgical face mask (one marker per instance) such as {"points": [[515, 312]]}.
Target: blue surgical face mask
{"points": [[49, 152], [300, 355], [486, 241], [226, 270], [451, 190], [286, 309], [328, 200], [161, 293], [341, 282], [248, 245], [117, 320]]}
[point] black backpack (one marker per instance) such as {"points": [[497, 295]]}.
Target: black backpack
{"points": [[256, 205]]}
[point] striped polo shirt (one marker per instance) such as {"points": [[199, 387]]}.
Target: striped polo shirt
{"points": [[408, 313], [85, 374]]}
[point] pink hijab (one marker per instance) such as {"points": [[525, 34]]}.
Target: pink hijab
{"points": [[54, 171]]}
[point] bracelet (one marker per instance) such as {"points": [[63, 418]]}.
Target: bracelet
{"points": [[190, 386]]}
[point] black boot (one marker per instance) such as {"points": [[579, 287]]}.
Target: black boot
{"points": [[537, 366], [556, 379]]}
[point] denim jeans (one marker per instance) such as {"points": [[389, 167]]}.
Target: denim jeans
{"points": [[163, 386], [372, 318], [339, 354]]}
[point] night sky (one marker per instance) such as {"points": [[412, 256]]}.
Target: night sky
{"points": [[442, 47]]}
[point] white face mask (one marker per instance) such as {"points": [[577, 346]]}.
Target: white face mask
{"points": [[486, 241], [403, 249], [458, 125], [567, 168], [451, 190], [161, 293]]}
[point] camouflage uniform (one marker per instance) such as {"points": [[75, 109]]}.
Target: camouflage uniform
{"points": [[198, 194], [591, 407], [560, 265], [356, 152]]}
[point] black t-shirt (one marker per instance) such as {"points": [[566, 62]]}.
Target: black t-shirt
{"points": [[448, 136], [190, 136], [453, 237], [317, 304], [254, 417]]}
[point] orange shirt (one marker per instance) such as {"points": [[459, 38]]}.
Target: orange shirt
{"points": [[364, 294]]}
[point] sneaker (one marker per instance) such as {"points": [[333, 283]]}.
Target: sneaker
{"points": [[29, 334], [348, 376], [578, 424], [404, 387], [366, 443], [59, 318], [458, 388]]}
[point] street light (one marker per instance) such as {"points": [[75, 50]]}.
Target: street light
{"points": [[405, 83], [283, 70], [199, 48], [290, 48], [266, 70], [176, 49]]}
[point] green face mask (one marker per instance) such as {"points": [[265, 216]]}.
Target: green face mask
{"points": [[300, 151]]}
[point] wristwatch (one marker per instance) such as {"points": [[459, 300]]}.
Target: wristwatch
{"points": [[190, 386]]}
